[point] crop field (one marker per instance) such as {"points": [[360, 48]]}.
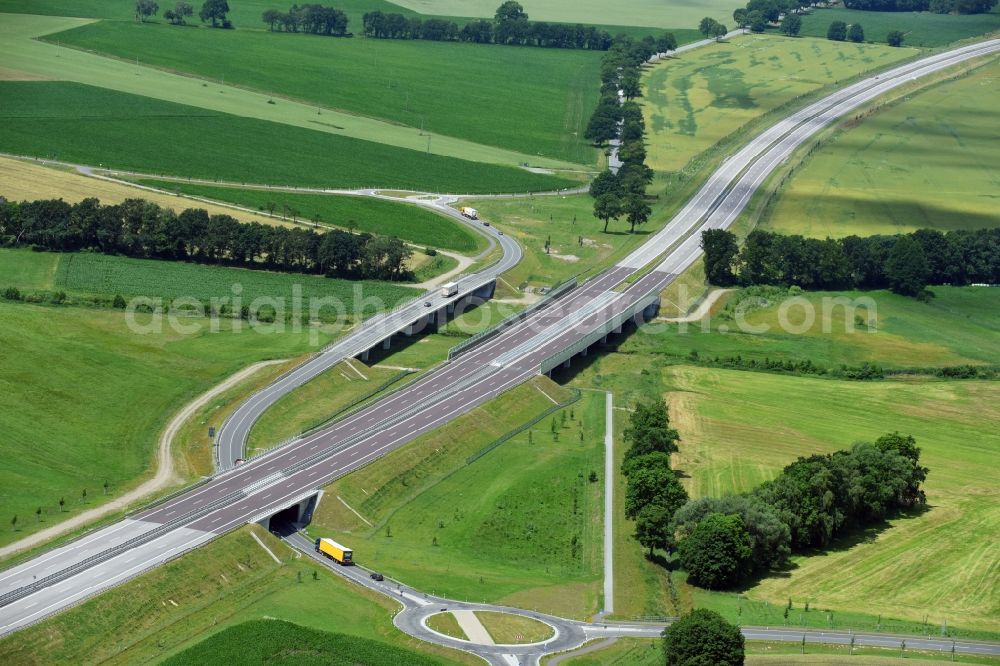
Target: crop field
{"points": [[739, 429], [921, 28], [96, 126], [26, 57], [958, 326], [672, 13], [267, 641], [376, 216], [696, 100], [104, 428], [530, 537], [229, 581], [315, 402], [421, 84], [929, 161]]}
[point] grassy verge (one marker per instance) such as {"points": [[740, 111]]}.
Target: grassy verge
{"points": [[529, 537], [508, 629], [447, 624], [376, 216], [230, 581], [875, 176], [90, 125], [106, 429]]}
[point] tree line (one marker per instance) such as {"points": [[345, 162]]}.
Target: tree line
{"points": [[313, 19], [211, 10], [619, 116], [139, 228], [936, 6], [510, 25], [758, 14], [724, 540], [903, 263]]}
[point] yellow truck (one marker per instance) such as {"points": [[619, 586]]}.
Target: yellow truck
{"points": [[336, 552]]}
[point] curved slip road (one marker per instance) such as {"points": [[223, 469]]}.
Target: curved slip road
{"points": [[63, 576]]}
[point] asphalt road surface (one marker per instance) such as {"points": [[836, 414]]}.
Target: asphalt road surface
{"points": [[64, 576]]}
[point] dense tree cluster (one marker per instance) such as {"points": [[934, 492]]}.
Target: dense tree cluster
{"points": [[652, 492], [813, 501], [509, 26], [711, 28], [180, 13], [904, 263], [703, 638], [139, 228], [215, 11], [757, 14], [936, 6], [312, 19]]}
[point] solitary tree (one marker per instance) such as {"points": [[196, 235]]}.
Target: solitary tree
{"points": [[214, 11], [837, 31], [791, 25], [13, 523], [894, 38], [703, 637], [62, 503], [637, 211], [856, 33], [607, 207], [38, 514], [707, 26], [510, 11], [145, 8], [719, 31]]}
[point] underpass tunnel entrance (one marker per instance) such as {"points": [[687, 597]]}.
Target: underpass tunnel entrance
{"points": [[292, 518]]}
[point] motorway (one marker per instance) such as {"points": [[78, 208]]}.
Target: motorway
{"points": [[259, 488]]}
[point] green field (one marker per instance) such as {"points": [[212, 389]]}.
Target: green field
{"points": [[929, 161], [510, 629], [529, 537], [459, 90], [738, 429], [659, 13], [96, 126], [95, 415], [225, 583], [921, 28], [85, 273], [315, 402], [410, 223], [957, 327], [694, 101], [268, 641]]}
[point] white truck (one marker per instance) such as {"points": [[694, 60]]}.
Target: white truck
{"points": [[449, 289], [470, 213]]}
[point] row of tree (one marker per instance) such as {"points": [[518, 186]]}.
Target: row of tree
{"points": [[840, 32], [936, 6], [622, 192], [510, 25], [212, 10], [139, 228], [905, 263], [722, 541], [653, 494], [313, 19]]}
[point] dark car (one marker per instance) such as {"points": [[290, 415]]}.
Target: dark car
{"points": [[377, 576], [427, 304]]}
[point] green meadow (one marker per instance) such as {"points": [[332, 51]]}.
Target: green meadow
{"points": [[226, 583], [530, 537], [96, 414], [376, 216], [458, 90], [927, 161], [921, 28], [101, 127], [694, 101]]}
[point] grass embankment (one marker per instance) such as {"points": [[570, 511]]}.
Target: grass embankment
{"points": [[375, 216], [268, 641], [103, 428], [422, 84], [920, 28], [694, 101], [447, 624], [649, 652], [957, 327], [225, 583], [528, 537], [924, 162], [89, 274], [315, 402], [509, 629], [96, 126]]}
